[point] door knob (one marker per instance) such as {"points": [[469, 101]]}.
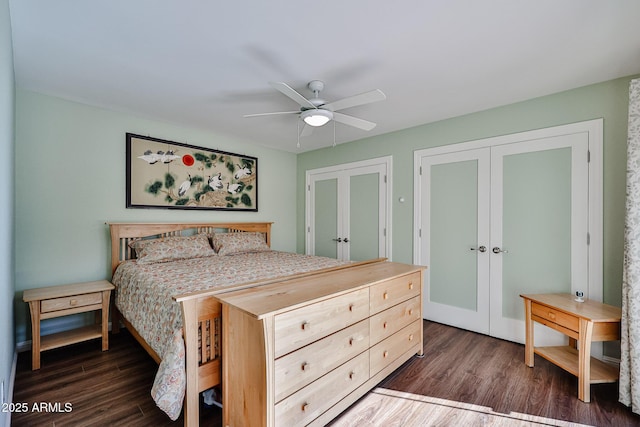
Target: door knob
{"points": [[339, 239], [480, 249], [497, 250], [346, 240]]}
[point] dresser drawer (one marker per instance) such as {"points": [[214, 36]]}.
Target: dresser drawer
{"points": [[388, 322], [302, 326], [392, 292], [310, 402], [553, 316], [64, 303], [393, 347], [297, 369]]}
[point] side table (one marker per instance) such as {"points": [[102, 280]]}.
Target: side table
{"points": [[57, 301]]}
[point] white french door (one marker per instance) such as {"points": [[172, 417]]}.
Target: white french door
{"points": [[502, 217], [348, 210]]}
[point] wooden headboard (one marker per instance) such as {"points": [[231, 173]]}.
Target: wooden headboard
{"points": [[124, 233]]}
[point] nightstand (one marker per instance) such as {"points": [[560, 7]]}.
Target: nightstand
{"points": [[57, 301]]}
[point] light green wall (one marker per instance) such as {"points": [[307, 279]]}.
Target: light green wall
{"points": [[608, 100], [70, 180], [7, 102]]}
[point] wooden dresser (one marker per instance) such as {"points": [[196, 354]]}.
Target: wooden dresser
{"points": [[300, 352]]}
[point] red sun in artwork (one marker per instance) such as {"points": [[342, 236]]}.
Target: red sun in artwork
{"points": [[188, 160]]}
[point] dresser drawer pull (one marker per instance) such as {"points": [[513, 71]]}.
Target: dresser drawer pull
{"points": [[384, 325], [305, 406], [305, 326], [410, 337], [385, 354], [350, 341], [385, 296], [73, 302], [410, 285], [305, 366], [552, 315], [351, 306], [410, 312], [351, 375]]}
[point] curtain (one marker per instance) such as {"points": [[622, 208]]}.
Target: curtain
{"points": [[630, 340]]}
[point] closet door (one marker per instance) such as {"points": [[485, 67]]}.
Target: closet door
{"points": [[528, 201], [455, 200], [539, 227], [325, 205], [348, 211]]}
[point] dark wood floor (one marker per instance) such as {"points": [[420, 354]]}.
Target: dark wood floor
{"points": [[112, 388]]}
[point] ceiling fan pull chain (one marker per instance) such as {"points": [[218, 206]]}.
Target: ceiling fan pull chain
{"points": [[334, 133]]}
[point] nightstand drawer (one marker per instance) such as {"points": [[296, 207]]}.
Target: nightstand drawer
{"points": [[64, 303], [555, 316]]}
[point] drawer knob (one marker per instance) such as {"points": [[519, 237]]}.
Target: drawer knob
{"points": [[410, 285], [384, 325], [385, 296], [552, 315], [385, 354], [305, 326], [410, 312], [410, 337], [351, 375], [305, 366], [350, 341], [305, 406], [351, 306], [73, 302]]}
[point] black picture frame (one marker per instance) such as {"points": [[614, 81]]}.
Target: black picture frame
{"points": [[165, 174]]}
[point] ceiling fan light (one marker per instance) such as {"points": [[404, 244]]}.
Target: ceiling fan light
{"points": [[317, 117]]}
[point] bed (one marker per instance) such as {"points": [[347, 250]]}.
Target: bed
{"points": [[183, 328]]}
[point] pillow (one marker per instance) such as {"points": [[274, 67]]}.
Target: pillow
{"points": [[172, 248], [238, 243]]}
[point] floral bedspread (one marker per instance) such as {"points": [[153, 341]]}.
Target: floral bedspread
{"points": [[145, 297]]}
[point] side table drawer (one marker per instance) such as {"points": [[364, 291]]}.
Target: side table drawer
{"points": [[64, 303], [558, 317]]}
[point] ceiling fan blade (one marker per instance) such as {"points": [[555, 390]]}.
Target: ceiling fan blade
{"points": [[306, 130], [287, 90], [353, 101], [271, 114], [353, 121]]}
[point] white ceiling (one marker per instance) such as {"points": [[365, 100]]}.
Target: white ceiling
{"points": [[207, 63]]}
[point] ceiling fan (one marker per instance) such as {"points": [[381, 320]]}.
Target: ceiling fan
{"points": [[316, 112]]}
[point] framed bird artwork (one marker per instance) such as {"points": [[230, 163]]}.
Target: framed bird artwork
{"points": [[171, 175]]}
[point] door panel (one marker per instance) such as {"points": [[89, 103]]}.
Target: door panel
{"points": [[456, 197], [364, 216], [326, 226], [536, 226], [539, 214]]}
